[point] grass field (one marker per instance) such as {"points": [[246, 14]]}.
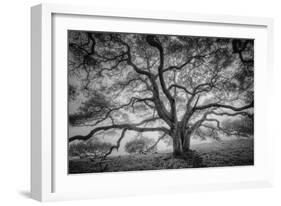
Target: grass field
{"points": [[227, 153], [215, 154]]}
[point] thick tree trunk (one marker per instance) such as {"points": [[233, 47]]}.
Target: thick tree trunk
{"points": [[186, 142], [181, 142], [177, 145]]}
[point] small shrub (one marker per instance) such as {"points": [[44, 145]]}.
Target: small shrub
{"points": [[139, 145], [94, 149]]}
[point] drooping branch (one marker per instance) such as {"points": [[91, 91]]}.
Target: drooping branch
{"points": [[220, 128], [215, 105], [250, 115], [117, 144], [198, 123], [133, 127], [156, 143], [212, 112]]}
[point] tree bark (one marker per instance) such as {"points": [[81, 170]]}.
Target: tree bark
{"points": [[181, 142], [186, 143], [177, 144]]}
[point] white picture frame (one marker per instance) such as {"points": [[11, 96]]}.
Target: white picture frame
{"points": [[49, 179]]}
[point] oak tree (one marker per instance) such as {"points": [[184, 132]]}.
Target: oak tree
{"points": [[175, 86]]}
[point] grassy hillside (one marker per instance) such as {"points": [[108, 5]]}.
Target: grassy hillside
{"points": [[216, 154]]}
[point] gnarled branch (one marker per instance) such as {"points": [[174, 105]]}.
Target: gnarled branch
{"points": [[225, 106], [133, 127]]}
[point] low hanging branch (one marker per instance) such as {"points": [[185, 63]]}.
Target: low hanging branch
{"points": [[133, 127], [117, 144], [225, 107], [218, 127], [156, 143]]}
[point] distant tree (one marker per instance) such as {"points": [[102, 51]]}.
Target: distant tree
{"points": [[78, 149], [140, 145], [99, 149], [239, 127], [174, 85], [91, 149]]}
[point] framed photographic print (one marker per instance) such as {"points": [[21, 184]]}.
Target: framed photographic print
{"points": [[138, 102]]}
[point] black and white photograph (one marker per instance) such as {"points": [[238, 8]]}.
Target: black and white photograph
{"points": [[154, 101]]}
